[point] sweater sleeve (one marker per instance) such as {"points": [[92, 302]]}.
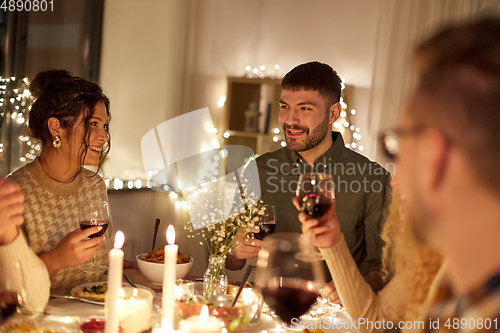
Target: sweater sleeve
{"points": [[357, 296], [34, 274]]}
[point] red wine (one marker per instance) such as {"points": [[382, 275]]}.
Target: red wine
{"points": [[8, 304], [314, 205], [88, 224], [265, 229], [288, 302]]}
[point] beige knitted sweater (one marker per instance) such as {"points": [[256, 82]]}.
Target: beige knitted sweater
{"points": [[51, 212], [360, 301], [30, 275]]}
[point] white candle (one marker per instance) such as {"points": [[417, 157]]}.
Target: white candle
{"points": [[166, 327], [201, 324], [169, 273], [134, 310], [115, 273]]}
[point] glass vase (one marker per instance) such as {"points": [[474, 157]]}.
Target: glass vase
{"points": [[215, 279]]}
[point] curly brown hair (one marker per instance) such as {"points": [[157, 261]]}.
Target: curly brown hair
{"points": [[66, 97], [404, 255]]}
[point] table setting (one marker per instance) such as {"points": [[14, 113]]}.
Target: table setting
{"points": [[161, 297]]}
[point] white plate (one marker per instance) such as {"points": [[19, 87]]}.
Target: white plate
{"points": [[90, 284]]}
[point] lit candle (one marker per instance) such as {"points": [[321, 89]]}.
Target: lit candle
{"points": [[201, 324], [134, 309], [115, 273], [169, 273], [166, 327]]}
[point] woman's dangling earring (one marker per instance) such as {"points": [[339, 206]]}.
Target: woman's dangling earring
{"points": [[57, 142]]}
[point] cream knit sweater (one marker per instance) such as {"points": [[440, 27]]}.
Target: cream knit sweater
{"points": [[51, 212], [360, 301], [32, 275]]}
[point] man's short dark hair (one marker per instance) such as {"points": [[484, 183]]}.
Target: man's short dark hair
{"points": [[459, 71], [317, 77]]}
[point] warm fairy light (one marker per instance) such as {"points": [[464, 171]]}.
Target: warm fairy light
{"points": [[277, 67], [214, 130], [248, 68], [255, 71], [170, 235], [275, 138], [119, 239], [353, 112], [226, 135], [276, 130], [262, 67]]}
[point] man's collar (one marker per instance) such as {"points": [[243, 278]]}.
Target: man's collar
{"points": [[333, 152]]}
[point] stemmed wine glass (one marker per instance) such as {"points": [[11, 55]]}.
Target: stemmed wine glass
{"points": [[315, 192], [290, 285], [94, 213], [13, 295], [266, 221]]}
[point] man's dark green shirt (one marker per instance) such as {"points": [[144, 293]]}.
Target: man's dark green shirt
{"points": [[361, 192]]}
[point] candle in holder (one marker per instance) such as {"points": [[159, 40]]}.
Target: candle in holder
{"points": [[134, 306], [115, 273], [201, 324], [169, 274], [166, 327]]}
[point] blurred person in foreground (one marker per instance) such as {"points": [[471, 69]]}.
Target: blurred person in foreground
{"points": [[448, 157], [14, 249]]}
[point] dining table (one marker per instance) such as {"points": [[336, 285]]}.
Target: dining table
{"points": [[66, 315]]}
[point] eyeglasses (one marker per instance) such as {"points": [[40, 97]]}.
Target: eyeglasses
{"points": [[390, 141]]}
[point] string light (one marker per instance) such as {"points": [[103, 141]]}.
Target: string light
{"points": [[341, 124], [16, 99]]}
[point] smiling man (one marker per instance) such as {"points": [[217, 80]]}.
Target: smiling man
{"points": [[309, 105]]}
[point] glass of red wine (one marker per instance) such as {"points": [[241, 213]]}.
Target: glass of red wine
{"points": [[290, 285], [94, 213], [266, 221], [12, 293], [315, 192]]}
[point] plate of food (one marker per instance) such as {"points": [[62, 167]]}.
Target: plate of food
{"points": [[95, 292], [151, 265]]}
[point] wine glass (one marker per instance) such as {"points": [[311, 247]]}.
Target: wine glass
{"points": [[94, 213], [289, 284], [12, 293], [315, 192], [266, 221]]}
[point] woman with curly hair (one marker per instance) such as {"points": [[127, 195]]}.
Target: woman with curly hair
{"points": [[70, 118]]}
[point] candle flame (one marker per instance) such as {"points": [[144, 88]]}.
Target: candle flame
{"points": [[119, 239], [204, 314], [170, 235], [166, 324]]}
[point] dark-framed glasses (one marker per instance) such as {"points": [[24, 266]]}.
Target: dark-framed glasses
{"points": [[390, 139]]}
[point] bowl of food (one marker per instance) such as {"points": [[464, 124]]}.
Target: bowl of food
{"points": [[190, 298], [151, 265]]}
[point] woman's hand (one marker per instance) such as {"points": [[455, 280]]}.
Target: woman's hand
{"points": [[11, 211], [72, 250], [325, 231]]}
